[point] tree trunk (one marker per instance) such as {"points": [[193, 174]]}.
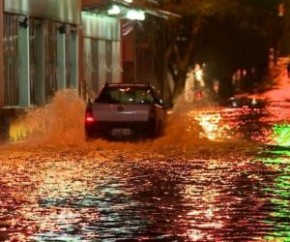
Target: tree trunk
{"points": [[184, 61]]}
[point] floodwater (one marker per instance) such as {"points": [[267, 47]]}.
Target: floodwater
{"points": [[218, 174]]}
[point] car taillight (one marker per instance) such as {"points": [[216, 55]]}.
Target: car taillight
{"points": [[89, 118]]}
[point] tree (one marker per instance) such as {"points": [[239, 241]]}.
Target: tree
{"points": [[250, 20]]}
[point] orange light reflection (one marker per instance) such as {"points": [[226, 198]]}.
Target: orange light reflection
{"points": [[212, 124]]}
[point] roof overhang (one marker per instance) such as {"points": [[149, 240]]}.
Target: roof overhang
{"points": [[125, 9]]}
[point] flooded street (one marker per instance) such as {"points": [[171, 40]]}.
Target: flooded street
{"points": [[218, 174]]}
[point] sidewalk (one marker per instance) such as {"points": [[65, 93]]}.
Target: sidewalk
{"points": [[277, 89]]}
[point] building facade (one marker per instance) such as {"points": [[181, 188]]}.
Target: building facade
{"points": [[101, 52], [40, 50], [52, 45]]}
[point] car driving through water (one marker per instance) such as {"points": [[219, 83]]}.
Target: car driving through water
{"points": [[125, 110]]}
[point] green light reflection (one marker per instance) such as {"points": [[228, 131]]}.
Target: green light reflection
{"points": [[279, 218], [281, 134]]}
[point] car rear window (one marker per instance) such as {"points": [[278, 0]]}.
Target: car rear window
{"points": [[126, 95]]}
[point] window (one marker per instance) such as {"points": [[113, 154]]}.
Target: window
{"points": [[126, 95]]}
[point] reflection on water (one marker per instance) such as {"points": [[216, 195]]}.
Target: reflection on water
{"points": [[199, 182], [281, 134], [227, 124], [166, 196], [265, 126], [280, 195]]}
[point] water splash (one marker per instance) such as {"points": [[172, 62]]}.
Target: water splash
{"points": [[59, 122], [59, 125]]}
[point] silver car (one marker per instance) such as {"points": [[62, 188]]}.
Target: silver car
{"points": [[125, 109]]}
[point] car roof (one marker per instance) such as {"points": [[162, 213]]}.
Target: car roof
{"points": [[121, 84]]}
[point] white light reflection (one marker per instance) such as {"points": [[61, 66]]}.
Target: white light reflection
{"points": [[212, 124], [207, 213]]}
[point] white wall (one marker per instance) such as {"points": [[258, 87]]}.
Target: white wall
{"points": [[59, 10]]}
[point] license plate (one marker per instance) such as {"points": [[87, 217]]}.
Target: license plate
{"points": [[121, 132]]}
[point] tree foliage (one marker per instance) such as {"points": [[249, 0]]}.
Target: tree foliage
{"points": [[249, 25]]}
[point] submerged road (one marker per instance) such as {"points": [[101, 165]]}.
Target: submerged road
{"points": [[217, 175]]}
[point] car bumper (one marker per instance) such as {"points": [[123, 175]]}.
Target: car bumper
{"points": [[110, 128]]}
